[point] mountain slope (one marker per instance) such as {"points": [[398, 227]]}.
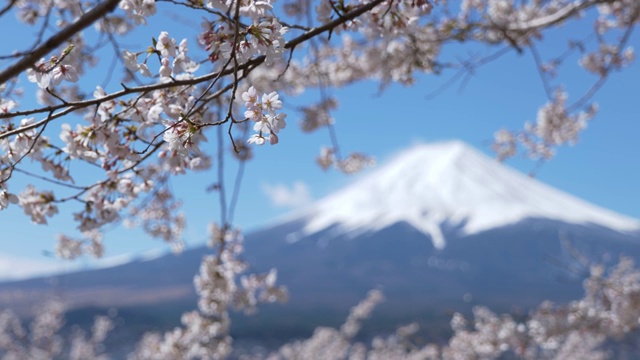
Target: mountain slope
{"points": [[440, 228], [15, 267], [452, 184]]}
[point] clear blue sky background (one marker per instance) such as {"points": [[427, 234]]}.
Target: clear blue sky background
{"points": [[604, 168]]}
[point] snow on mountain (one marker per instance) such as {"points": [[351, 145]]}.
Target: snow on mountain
{"points": [[15, 267], [450, 183]]}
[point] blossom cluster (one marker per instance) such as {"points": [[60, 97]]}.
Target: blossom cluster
{"points": [[609, 310], [555, 126], [221, 287], [264, 36], [353, 163], [263, 112], [181, 67], [43, 339], [52, 75], [69, 248], [139, 10], [578, 330]]}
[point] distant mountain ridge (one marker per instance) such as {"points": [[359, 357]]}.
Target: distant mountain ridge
{"points": [[16, 267], [440, 228]]}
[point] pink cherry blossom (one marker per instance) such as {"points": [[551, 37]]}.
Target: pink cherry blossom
{"points": [[64, 72], [111, 157]]}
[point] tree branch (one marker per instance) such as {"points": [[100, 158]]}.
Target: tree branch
{"points": [[70, 107], [558, 16], [58, 39]]}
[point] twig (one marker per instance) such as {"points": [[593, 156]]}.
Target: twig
{"points": [[58, 39]]}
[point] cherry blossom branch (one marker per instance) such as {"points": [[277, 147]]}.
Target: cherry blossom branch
{"points": [[58, 39], [603, 78], [73, 106], [12, 166], [234, 84], [333, 24], [557, 17], [119, 172]]}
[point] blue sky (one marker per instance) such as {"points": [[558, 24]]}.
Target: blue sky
{"points": [[604, 167]]}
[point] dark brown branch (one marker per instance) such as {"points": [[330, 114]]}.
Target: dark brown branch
{"points": [[58, 39], [332, 24], [8, 7], [251, 63]]}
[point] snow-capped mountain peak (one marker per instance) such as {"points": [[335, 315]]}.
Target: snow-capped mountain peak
{"points": [[450, 183]]}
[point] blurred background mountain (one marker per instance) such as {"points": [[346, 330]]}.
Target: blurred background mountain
{"points": [[439, 229]]}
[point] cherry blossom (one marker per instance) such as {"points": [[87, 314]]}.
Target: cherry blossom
{"points": [[64, 72], [263, 113], [166, 45], [160, 102], [139, 10], [7, 198], [37, 205], [39, 75]]}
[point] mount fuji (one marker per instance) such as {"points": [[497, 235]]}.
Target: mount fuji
{"points": [[445, 185], [441, 227]]}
